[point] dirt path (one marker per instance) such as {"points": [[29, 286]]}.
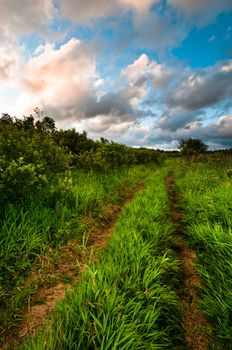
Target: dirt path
{"points": [[73, 264], [196, 327]]}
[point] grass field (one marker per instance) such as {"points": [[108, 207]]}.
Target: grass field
{"points": [[206, 190], [46, 222], [130, 297]]}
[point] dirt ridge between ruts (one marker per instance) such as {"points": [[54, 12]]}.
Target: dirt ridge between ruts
{"points": [[197, 330], [37, 315]]}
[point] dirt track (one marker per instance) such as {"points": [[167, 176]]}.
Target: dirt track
{"points": [[196, 327], [99, 233]]}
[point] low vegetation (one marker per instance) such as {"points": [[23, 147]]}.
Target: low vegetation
{"points": [[206, 190], [127, 300], [49, 183], [33, 152], [49, 220], [57, 185]]}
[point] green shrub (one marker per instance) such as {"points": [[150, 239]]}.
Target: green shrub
{"points": [[20, 179]]}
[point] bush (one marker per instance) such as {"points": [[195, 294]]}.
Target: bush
{"points": [[19, 179]]}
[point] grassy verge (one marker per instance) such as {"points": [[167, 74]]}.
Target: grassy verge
{"points": [[207, 201], [127, 300], [46, 222]]}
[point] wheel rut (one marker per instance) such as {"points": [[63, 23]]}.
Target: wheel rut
{"points": [[99, 234], [197, 330]]}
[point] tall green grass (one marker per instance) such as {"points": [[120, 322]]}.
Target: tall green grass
{"points": [[207, 201], [126, 300], [53, 217], [50, 219]]}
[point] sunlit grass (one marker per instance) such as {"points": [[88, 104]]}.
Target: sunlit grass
{"points": [[127, 300], [49, 220], [207, 200]]}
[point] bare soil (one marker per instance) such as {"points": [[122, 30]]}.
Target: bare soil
{"points": [[197, 330], [74, 261]]}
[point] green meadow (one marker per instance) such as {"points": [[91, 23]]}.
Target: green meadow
{"points": [[60, 189]]}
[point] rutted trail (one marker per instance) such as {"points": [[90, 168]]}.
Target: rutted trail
{"points": [[127, 299], [196, 327], [99, 234]]}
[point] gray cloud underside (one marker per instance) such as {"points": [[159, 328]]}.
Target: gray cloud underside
{"points": [[189, 99], [203, 89], [111, 104], [216, 135], [174, 120]]}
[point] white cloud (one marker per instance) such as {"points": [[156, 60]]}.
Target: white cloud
{"points": [[144, 75], [24, 16], [158, 73], [161, 75], [203, 10], [137, 5], [10, 57], [226, 67], [137, 68], [61, 78], [65, 84], [86, 11], [104, 125]]}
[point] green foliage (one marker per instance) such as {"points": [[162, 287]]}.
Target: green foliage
{"points": [[75, 142], [27, 159], [192, 147], [106, 157], [19, 179], [126, 301], [207, 200], [32, 152], [113, 156], [49, 180], [47, 216], [48, 220]]}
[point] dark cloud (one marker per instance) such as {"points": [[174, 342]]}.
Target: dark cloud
{"points": [[217, 134], [114, 108], [220, 130], [203, 89], [109, 104], [174, 120]]}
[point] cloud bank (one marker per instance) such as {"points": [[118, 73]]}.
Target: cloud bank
{"points": [[148, 98]]}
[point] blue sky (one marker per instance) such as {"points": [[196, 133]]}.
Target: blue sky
{"points": [[144, 73]]}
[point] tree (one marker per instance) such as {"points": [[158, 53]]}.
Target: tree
{"points": [[47, 125], [191, 147]]}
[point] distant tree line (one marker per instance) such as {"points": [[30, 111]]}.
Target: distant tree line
{"points": [[192, 147], [32, 151]]}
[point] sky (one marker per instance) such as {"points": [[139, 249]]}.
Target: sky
{"points": [[138, 72]]}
